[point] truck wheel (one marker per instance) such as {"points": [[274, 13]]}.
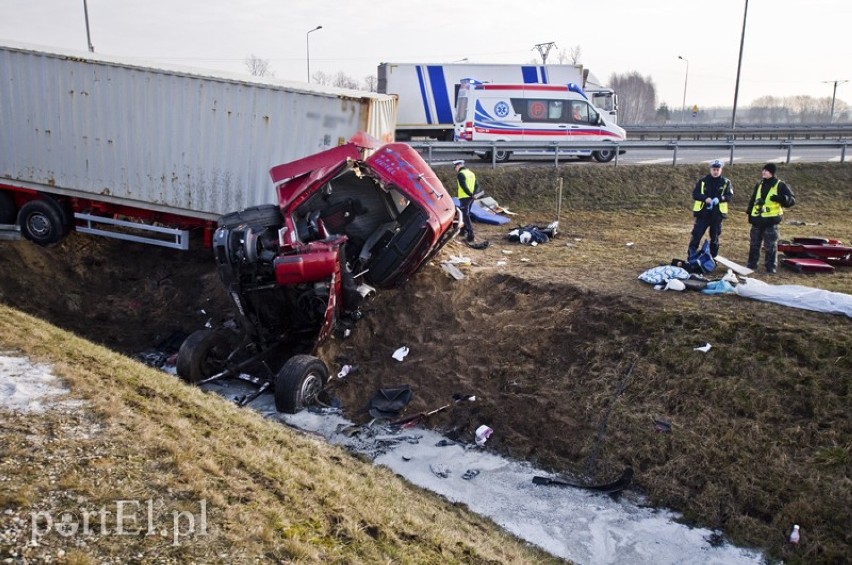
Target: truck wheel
{"points": [[299, 383], [502, 156], [264, 215], [203, 354], [604, 155], [8, 211], [43, 221]]}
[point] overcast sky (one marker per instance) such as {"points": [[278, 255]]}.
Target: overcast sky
{"points": [[791, 47]]}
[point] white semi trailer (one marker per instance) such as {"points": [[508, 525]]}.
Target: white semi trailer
{"points": [[99, 144]]}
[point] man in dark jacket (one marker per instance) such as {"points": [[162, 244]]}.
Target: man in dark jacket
{"points": [[765, 211], [711, 196]]}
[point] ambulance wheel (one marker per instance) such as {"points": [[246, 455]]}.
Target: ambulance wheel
{"points": [[299, 383], [43, 222], [604, 155], [8, 211], [502, 156], [203, 354]]}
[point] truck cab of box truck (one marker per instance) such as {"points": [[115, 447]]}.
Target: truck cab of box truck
{"points": [[532, 112]]}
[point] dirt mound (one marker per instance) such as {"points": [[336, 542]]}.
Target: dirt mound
{"points": [[128, 297]]}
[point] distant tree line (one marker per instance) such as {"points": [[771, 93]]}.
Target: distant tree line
{"points": [[637, 105]]}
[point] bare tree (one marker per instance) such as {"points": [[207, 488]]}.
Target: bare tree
{"points": [[343, 80], [258, 67], [574, 53], [321, 78], [637, 97], [371, 83], [571, 56]]}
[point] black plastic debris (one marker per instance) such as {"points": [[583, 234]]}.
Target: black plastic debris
{"points": [[389, 402], [663, 427]]}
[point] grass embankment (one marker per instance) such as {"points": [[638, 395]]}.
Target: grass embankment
{"points": [[763, 426], [270, 493]]}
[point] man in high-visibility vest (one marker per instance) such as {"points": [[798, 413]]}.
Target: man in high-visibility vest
{"points": [[711, 196], [765, 211], [466, 188]]}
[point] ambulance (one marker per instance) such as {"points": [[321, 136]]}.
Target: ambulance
{"points": [[532, 112]]}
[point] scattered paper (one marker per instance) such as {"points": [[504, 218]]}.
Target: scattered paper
{"points": [[400, 353], [703, 348]]}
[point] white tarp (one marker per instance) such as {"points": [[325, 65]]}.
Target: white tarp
{"points": [[797, 296]]}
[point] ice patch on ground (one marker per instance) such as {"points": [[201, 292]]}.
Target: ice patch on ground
{"points": [[586, 528], [30, 387]]}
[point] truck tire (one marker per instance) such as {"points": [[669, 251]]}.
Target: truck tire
{"points": [[8, 210], [264, 215], [43, 222], [203, 354], [604, 155], [299, 383]]}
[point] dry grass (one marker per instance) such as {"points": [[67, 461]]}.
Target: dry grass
{"points": [[271, 493]]}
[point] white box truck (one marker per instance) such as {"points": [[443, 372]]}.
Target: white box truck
{"points": [[428, 92], [99, 144]]}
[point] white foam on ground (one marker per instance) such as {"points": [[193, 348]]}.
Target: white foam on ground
{"points": [[584, 527], [30, 387]]}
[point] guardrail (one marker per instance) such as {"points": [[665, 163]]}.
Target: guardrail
{"points": [[719, 131], [564, 148]]}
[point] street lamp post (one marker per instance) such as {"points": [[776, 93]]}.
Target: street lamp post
{"points": [[685, 79], [88, 35], [739, 67], [308, 50]]}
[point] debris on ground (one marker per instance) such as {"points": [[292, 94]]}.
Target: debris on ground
{"points": [[662, 426], [389, 402], [483, 432], [400, 353], [613, 487], [703, 348], [470, 474], [440, 470]]}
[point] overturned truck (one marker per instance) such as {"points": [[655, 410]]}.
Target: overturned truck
{"points": [[298, 270]]}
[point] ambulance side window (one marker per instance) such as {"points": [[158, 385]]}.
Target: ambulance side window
{"points": [[582, 113], [539, 110]]}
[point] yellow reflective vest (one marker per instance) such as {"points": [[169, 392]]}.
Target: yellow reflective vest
{"points": [[769, 208], [471, 183], [699, 205]]}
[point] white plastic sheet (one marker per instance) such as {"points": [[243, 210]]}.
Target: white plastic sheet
{"points": [[797, 296]]}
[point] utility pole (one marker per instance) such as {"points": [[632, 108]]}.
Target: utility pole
{"points": [[544, 49], [833, 96]]}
